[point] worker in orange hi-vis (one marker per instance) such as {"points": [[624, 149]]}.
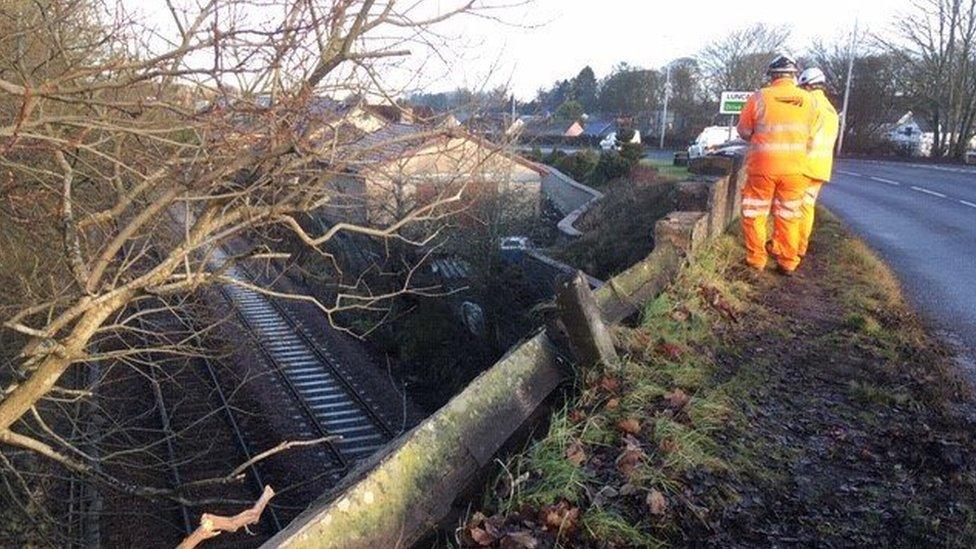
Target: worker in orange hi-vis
{"points": [[778, 121], [820, 161]]}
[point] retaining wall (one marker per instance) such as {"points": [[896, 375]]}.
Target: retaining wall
{"points": [[396, 497]]}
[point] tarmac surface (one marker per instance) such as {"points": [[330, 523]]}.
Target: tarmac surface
{"points": [[921, 218]]}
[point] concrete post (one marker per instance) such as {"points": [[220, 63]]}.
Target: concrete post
{"points": [[589, 337]]}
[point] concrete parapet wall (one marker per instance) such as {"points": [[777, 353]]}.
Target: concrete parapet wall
{"points": [[395, 498], [570, 197], [413, 484]]}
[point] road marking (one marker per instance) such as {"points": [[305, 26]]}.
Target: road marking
{"points": [[855, 174], [883, 180], [926, 191], [967, 203]]}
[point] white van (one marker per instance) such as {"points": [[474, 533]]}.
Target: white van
{"points": [[710, 139]]}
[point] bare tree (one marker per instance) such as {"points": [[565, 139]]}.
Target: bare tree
{"points": [[875, 100], [739, 60], [132, 154], [935, 40]]}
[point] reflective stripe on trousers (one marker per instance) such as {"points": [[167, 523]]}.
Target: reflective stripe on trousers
{"points": [[786, 195]]}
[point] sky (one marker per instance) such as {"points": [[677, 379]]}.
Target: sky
{"points": [[537, 42], [554, 39]]}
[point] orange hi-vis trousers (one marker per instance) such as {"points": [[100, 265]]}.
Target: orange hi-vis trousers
{"points": [[784, 195], [807, 212]]}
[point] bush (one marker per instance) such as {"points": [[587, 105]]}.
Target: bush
{"points": [[580, 165], [535, 154], [554, 157], [632, 152], [612, 165]]}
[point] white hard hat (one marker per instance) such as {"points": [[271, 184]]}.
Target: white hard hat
{"points": [[811, 77]]}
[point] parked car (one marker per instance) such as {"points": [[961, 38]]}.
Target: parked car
{"points": [[513, 248]]}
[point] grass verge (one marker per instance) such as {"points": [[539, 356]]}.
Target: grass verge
{"points": [[750, 409]]}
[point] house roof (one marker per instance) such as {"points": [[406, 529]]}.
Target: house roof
{"points": [[398, 141], [598, 126], [547, 126]]}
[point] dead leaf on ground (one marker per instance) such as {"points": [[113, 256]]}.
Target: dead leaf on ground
{"points": [[480, 537], [575, 453], [677, 399], [613, 404], [656, 502], [610, 384], [668, 446], [628, 461], [713, 297], [631, 426], [561, 517]]}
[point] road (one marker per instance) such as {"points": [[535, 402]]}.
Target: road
{"points": [[922, 220]]}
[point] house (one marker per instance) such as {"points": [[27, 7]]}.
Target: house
{"points": [[545, 127], [598, 126], [390, 172], [913, 135], [907, 134]]}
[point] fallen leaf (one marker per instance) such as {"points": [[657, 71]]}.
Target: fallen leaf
{"points": [[714, 298], [630, 426], [610, 384], [519, 540], [577, 415], [560, 517], [677, 399], [668, 446], [575, 453], [628, 461], [480, 536], [656, 502], [613, 404]]}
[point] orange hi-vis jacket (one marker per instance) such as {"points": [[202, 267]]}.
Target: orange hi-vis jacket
{"points": [[820, 161], [779, 122]]}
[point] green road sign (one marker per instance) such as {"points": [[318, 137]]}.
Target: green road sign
{"points": [[733, 101]]}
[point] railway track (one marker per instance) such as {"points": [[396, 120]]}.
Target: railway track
{"points": [[209, 418], [334, 404]]}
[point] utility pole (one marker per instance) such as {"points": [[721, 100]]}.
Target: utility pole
{"points": [[513, 108], [847, 89], [664, 111]]}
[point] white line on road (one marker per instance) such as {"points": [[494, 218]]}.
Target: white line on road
{"points": [[855, 174], [926, 191], [883, 180], [967, 203]]}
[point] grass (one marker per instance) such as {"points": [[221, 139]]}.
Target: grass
{"points": [[670, 353], [667, 169]]}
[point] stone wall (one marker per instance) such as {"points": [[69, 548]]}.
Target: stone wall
{"points": [[398, 496]]}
